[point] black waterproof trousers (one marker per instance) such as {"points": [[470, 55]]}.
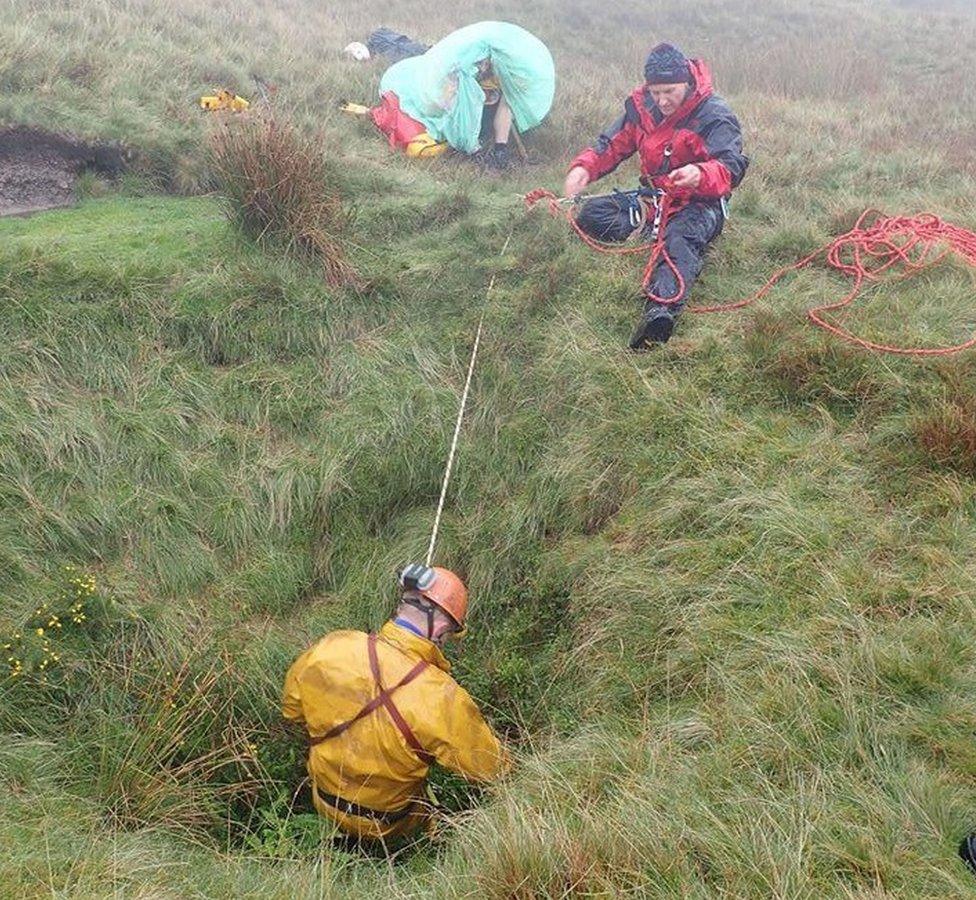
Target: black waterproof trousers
{"points": [[686, 238], [396, 46]]}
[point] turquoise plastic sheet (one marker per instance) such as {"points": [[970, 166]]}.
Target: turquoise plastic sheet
{"points": [[440, 89]]}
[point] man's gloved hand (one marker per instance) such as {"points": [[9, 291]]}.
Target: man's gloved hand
{"points": [[577, 179]]}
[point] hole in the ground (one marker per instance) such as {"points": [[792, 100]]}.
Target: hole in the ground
{"points": [[38, 168]]}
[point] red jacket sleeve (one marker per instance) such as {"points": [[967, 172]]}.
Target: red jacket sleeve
{"points": [[612, 147], [726, 163], [716, 180]]}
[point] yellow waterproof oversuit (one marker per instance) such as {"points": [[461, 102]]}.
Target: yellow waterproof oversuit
{"points": [[368, 777]]}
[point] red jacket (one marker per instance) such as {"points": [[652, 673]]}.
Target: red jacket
{"points": [[398, 127], [703, 131]]}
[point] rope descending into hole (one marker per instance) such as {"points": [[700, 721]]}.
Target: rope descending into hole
{"points": [[461, 408]]}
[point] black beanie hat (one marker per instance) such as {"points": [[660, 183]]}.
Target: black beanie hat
{"points": [[666, 64]]}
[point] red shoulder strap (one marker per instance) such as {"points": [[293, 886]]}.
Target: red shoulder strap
{"points": [[391, 708], [382, 699]]}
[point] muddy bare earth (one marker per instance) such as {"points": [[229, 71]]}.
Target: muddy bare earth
{"points": [[38, 168]]}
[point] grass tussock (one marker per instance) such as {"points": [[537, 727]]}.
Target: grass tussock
{"points": [[160, 729], [279, 189], [176, 756], [948, 435], [802, 365], [945, 430]]}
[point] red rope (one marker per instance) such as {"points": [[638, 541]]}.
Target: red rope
{"points": [[655, 248], [875, 245]]}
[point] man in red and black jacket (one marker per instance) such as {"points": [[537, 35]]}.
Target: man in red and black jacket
{"points": [[690, 143]]}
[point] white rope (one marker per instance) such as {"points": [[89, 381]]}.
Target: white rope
{"points": [[460, 416]]}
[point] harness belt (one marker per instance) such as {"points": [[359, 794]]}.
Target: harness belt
{"points": [[347, 807], [639, 204]]}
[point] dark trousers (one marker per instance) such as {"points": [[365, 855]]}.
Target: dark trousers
{"points": [[386, 42], [686, 238]]}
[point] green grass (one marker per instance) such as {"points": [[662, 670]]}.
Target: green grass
{"points": [[723, 593]]}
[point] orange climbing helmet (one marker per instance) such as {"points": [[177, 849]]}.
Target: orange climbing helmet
{"points": [[440, 586]]}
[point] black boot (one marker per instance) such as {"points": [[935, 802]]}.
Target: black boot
{"points": [[497, 159], [967, 850], [655, 327]]}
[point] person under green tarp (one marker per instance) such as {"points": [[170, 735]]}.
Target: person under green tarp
{"points": [[468, 92]]}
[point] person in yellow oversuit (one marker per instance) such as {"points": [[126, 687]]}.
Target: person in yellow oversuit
{"points": [[381, 708]]}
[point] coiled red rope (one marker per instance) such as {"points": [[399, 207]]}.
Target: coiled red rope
{"points": [[874, 247]]}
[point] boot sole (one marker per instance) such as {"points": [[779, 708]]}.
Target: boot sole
{"points": [[653, 331]]}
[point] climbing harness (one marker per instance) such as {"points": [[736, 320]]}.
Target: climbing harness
{"points": [[635, 201], [654, 245], [875, 246], [383, 698], [461, 408], [347, 807]]}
